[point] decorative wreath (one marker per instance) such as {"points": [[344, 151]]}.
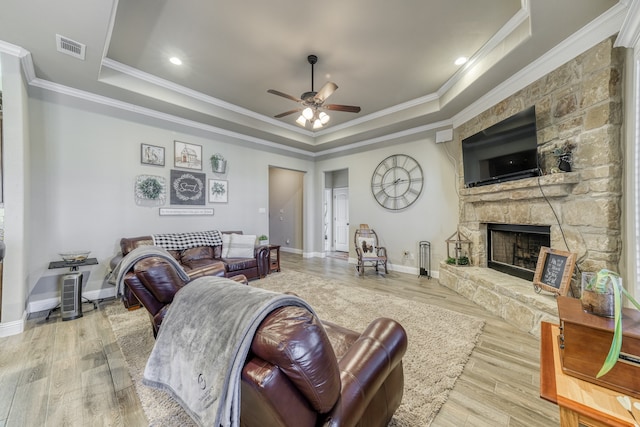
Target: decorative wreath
{"points": [[183, 185], [150, 188]]}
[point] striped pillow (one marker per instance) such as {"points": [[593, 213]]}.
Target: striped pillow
{"points": [[241, 246]]}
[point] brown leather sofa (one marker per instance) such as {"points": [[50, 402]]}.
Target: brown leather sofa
{"points": [[200, 261], [301, 372]]}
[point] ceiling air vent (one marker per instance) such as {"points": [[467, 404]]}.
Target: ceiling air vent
{"points": [[70, 47]]}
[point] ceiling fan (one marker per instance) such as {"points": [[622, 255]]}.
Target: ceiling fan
{"points": [[312, 103]]}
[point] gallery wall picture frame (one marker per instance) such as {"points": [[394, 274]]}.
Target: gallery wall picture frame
{"points": [[150, 190], [187, 156], [218, 190], [187, 188], [151, 155]]}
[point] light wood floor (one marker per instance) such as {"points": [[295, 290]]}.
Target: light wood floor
{"points": [[72, 373]]}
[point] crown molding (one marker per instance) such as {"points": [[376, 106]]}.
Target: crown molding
{"points": [[12, 49], [388, 137], [522, 16], [630, 32], [110, 102], [606, 25]]}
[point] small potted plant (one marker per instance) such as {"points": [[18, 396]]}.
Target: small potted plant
{"points": [[218, 163], [263, 240], [462, 260], [565, 156], [609, 285]]}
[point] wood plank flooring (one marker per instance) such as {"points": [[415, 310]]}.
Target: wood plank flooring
{"points": [[73, 374]]}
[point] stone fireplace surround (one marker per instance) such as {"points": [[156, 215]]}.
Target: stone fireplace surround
{"points": [[580, 103]]}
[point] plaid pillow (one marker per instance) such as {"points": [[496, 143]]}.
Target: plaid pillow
{"points": [[181, 241]]}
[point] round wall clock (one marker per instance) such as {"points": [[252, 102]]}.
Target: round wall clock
{"points": [[397, 182]]}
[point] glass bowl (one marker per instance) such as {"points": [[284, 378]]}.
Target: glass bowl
{"points": [[75, 256]]}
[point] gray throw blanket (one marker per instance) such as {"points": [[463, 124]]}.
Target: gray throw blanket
{"points": [[203, 343], [139, 253]]}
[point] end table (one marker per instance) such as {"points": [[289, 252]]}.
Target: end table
{"points": [[274, 258]]}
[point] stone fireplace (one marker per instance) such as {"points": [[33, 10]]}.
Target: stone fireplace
{"points": [[579, 103], [514, 248]]}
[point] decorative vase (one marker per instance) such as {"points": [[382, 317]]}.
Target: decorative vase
{"points": [[564, 165], [596, 298], [218, 163]]}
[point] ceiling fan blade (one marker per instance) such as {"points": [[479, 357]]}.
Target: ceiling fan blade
{"points": [[325, 92], [286, 113], [284, 95], [346, 108]]}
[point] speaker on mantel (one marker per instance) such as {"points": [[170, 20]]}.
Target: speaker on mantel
{"points": [[71, 296]]}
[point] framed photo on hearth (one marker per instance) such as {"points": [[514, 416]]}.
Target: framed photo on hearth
{"points": [[188, 156], [554, 271]]}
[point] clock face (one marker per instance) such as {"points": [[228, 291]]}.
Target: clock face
{"points": [[397, 182]]}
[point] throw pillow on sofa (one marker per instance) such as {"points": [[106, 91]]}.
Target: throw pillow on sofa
{"points": [[241, 246], [226, 239]]}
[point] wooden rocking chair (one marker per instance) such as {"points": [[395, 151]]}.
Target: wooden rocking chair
{"points": [[369, 253]]}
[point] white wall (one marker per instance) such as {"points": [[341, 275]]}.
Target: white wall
{"points": [[85, 160], [16, 195], [433, 217]]}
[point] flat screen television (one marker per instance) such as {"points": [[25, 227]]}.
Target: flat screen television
{"points": [[503, 152]]}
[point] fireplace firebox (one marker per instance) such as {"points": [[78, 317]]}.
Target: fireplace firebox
{"points": [[514, 248]]}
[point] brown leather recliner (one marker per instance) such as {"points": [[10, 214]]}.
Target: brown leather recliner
{"points": [[154, 282], [301, 372], [305, 373]]}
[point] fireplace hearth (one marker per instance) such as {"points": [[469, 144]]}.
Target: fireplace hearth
{"points": [[514, 248]]}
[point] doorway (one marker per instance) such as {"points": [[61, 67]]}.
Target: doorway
{"points": [[286, 209], [336, 214]]}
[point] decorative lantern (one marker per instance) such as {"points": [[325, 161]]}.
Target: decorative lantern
{"points": [[458, 249]]}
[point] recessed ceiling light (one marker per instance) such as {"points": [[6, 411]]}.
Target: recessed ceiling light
{"points": [[175, 60], [461, 60]]}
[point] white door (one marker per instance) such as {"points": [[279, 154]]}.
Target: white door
{"points": [[341, 218]]}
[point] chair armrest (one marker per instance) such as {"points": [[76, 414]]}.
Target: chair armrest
{"points": [[262, 258], [381, 251], [365, 367]]}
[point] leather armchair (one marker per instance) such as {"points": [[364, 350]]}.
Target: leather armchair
{"points": [[154, 282], [302, 372]]}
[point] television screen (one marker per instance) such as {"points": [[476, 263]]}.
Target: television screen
{"points": [[505, 151]]}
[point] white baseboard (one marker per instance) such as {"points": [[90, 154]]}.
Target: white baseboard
{"points": [[401, 268], [49, 303], [13, 328]]}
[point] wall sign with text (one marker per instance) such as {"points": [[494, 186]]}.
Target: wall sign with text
{"points": [[554, 271]]}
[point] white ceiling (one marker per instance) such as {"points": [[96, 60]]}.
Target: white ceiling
{"points": [[394, 59]]}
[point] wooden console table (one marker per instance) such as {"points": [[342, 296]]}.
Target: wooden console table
{"points": [[581, 403]]}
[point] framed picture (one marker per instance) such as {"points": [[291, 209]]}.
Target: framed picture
{"points": [[218, 191], [187, 188], [554, 270], [151, 155], [188, 156]]}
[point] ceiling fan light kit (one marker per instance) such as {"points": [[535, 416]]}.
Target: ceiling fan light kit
{"points": [[312, 103]]}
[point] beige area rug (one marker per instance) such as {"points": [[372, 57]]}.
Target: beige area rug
{"points": [[440, 342]]}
